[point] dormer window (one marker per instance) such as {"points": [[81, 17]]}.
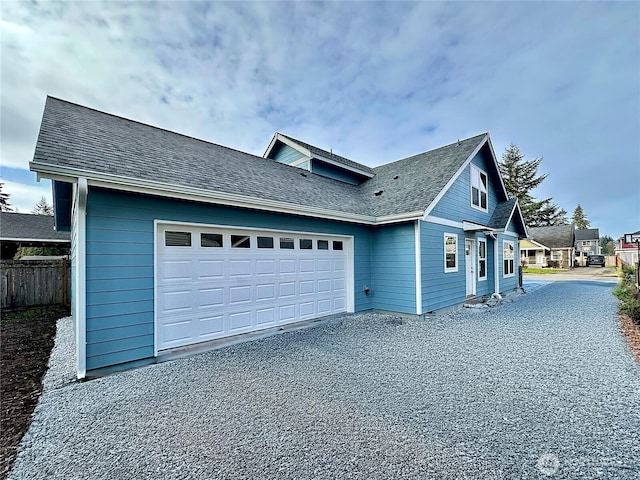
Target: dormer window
{"points": [[478, 189]]}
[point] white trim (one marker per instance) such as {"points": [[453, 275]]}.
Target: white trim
{"points": [[468, 226], [80, 310], [160, 189], [504, 274], [509, 234], [42, 240], [418, 260], [451, 181], [478, 207], [444, 250], [443, 221], [482, 279], [496, 264], [472, 264], [299, 162]]}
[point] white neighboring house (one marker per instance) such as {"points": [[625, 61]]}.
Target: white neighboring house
{"points": [[549, 246], [627, 252]]}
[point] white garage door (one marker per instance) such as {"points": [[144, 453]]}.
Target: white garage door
{"points": [[218, 282]]}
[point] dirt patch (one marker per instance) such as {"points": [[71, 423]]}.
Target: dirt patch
{"points": [[631, 332], [27, 340]]}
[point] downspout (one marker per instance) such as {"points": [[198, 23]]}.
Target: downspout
{"points": [[496, 264], [418, 260], [80, 302]]}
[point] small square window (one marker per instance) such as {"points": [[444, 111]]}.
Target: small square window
{"points": [[323, 244], [265, 242], [211, 240], [337, 245], [287, 244], [177, 239], [306, 244], [240, 241]]}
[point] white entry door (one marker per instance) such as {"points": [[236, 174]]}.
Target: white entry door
{"points": [[218, 282], [470, 260]]}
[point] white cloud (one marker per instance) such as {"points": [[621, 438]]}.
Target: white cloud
{"points": [[23, 198], [373, 81]]}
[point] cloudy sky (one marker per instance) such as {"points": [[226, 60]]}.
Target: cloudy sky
{"points": [[375, 82]]}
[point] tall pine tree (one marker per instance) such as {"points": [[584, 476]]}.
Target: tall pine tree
{"points": [[5, 206], [579, 218], [520, 178], [42, 208]]}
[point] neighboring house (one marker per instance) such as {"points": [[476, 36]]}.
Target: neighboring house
{"points": [[28, 230], [177, 241], [587, 243], [549, 246], [627, 252]]}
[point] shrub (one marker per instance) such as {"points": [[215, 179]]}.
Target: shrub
{"points": [[628, 295]]}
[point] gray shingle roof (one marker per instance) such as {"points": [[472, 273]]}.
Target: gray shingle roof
{"points": [[78, 137], [411, 184], [502, 214], [22, 226], [555, 236], [587, 234], [336, 158]]}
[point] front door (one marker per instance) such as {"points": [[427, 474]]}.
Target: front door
{"points": [[470, 260]]}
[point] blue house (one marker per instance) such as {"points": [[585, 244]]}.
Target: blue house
{"points": [[179, 242]]}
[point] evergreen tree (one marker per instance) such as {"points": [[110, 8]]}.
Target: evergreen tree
{"points": [[5, 206], [42, 208], [520, 178], [608, 245], [579, 218]]}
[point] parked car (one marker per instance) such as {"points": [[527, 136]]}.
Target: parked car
{"points": [[595, 260]]}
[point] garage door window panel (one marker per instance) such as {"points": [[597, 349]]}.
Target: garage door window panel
{"points": [[240, 241], [287, 244], [177, 239], [211, 240]]}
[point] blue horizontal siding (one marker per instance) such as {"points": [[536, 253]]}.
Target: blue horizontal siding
{"points": [[508, 284], [120, 271], [393, 271], [286, 154], [456, 202], [327, 170], [440, 289]]}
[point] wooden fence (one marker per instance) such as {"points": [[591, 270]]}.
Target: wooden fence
{"points": [[31, 283]]}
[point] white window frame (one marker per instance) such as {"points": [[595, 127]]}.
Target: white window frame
{"points": [[505, 257], [482, 259], [479, 187], [457, 254]]}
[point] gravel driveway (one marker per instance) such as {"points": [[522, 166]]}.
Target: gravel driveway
{"points": [[539, 387]]}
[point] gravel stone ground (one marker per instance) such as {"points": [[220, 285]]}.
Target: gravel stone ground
{"points": [[541, 386]]}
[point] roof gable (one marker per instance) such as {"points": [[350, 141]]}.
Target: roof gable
{"points": [[311, 152], [418, 182], [554, 236]]}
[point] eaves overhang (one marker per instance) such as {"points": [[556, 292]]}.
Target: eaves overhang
{"points": [[150, 187]]}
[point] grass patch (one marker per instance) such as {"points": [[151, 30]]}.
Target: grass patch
{"points": [[543, 271]]}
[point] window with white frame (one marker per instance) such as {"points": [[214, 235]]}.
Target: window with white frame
{"points": [[508, 249], [482, 259], [450, 252], [478, 188], [556, 255]]}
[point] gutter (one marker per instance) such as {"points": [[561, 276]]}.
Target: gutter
{"points": [[115, 182]]}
